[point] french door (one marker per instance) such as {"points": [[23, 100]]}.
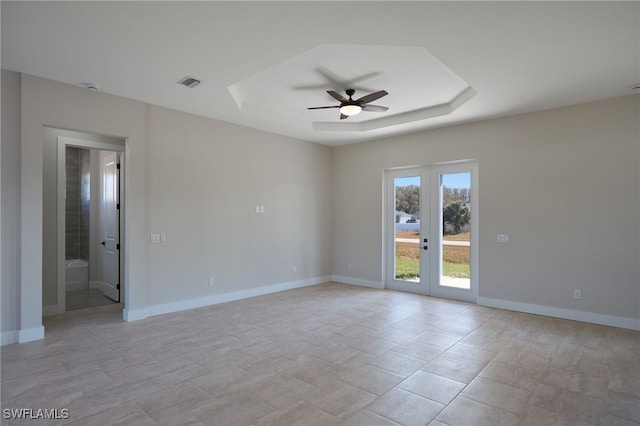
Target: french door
{"points": [[431, 222]]}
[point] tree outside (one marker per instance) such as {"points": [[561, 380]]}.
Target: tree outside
{"points": [[455, 214]]}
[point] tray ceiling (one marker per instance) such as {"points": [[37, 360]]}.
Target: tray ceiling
{"points": [[263, 63]]}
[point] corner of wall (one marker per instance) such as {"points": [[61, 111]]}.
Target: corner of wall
{"points": [[10, 202], [31, 334]]}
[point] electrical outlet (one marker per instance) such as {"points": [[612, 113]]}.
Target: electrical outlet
{"points": [[349, 266], [211, 281], [294, 269], [577, 293], [502, 238]]}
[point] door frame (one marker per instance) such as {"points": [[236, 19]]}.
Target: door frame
{"points": [[431, 175], [62, 143]]}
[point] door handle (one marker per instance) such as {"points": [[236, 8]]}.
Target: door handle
{"points": [[103, 243]]}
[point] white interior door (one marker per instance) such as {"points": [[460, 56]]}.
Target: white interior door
{"points": [[431, 228], [111, 226]]}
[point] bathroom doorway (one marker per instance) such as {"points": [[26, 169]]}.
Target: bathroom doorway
{"points": [[90, 212]]}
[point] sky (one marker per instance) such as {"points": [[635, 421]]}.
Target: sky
{"points": [[451, 180]]}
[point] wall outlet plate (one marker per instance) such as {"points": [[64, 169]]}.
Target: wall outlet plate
{"points": [[502, 238]]}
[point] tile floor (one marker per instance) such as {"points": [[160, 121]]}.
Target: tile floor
{"points": [[89, 298], [331, 354]]}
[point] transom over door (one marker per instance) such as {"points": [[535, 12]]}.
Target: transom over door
{"points": [[430, 230]]}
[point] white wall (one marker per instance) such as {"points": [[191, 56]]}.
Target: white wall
{"points": [[196, 180], [205, 178], [563, 183], [10, 206], [50, 104]]}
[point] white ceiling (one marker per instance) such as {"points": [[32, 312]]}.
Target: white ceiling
{"points": [[263, 63]]}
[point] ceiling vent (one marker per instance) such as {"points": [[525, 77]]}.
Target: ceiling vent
{"points": [[190, 82]]}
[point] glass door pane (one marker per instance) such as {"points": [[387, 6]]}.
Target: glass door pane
{"points": [[407, 229], [454, 225], [455, 228], [407, 204]]}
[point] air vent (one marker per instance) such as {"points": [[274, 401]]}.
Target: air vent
{"points": [[190, 82]]}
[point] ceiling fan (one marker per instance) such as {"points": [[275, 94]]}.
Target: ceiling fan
{"points": [[349, 107]]}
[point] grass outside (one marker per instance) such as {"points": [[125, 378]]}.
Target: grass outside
{"points": [[455, 259], [463, 236], [406, 268]]}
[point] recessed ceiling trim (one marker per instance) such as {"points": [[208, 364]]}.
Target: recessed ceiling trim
{"points": [[397, 119], [420, 87]]}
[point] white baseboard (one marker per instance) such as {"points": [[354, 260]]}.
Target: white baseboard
{"points": [[8, 337], [570, 314], [165, 308], [31, 334], [357, 281], [134, 314]]}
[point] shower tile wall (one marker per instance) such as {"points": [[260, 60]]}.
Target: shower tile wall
{"points": [[85, 198], [77, 203]]}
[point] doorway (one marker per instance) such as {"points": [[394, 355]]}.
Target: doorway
{"points": [[89, 215], [431, 230]]}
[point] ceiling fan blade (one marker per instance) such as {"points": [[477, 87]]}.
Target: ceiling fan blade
{"points": [[337, 96], [372, 97], [325, 107], [374, 108], [342, 116]]}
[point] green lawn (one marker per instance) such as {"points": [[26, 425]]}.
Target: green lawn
{"points": [[407, 269], [456, 270]]}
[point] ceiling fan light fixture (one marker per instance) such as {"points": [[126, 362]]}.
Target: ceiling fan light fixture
{"points": [[350, 109]]}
